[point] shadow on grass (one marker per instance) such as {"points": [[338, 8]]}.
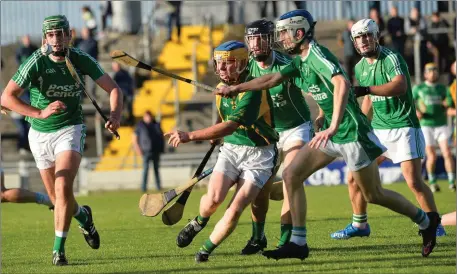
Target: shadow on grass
{"points": [[385, 260]]}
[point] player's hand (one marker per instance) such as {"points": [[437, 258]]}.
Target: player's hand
{"points": [[419, 114], [4, 110], [52, 108], [177, 137], [215, 141], [361, 91], [321, 138], [113, 124], [319, 122], [227, 91]]}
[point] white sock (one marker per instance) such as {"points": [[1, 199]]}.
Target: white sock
{"points": [[298, 236], [425, 223], [360, 225]]}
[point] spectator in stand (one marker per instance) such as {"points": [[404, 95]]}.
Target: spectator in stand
{"points": [[148, 141], [75, 39], [396, 29], [176, 16], [374, 15], [125, 82], [89, 20], [89, 45], [263, 9], [350, 56], [25, 50], [107, 11], [415, 25], [440, 40]]}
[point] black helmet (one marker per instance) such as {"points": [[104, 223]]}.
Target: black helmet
{"points": [[260, 47]]}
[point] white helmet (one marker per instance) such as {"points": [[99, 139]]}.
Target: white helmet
{"points": [[363, 27]]}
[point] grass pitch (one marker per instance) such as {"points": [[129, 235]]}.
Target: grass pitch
{"points": [[131, 243]]}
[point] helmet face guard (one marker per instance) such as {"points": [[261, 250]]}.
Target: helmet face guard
{"points": [[366, 29], [230, 64], [258, 37], [287, 27], [56, 35]]}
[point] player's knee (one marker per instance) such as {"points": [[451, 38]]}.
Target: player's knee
{"points": [[290, 177], [431, 156], [447, 156], [216, 200]]}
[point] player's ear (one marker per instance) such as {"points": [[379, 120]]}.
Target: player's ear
{"points": [[299, 34]]}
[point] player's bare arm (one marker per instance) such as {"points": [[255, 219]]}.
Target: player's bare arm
{"points": [[10, 100], [319, 121], [216, 141], [264, 82], [396, 87], [340, 99], [214, 132], [367, 107], [115, 94]]}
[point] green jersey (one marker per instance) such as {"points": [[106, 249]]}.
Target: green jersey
{"points": [[388, 111], [254, 112], [432, 96], [290, 108], [316, 71], [50, 81]]}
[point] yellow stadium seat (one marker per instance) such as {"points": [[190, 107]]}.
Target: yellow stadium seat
{"points": [[176, 58]]}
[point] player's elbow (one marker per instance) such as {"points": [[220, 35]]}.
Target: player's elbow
{"points": [[401, 86], [274, 80], [231, 126]]}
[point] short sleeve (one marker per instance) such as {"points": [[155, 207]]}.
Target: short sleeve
{"points": [[247, 109], [87, 64], [395, 66], [27, 71], [324, 64], [291, 70]]}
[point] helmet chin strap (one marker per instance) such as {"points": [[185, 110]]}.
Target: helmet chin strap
{"points": [[46, 49], [371, 54], [261, 57]]}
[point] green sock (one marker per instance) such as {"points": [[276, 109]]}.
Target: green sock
{"points": [[257, 230], [451, 178], [59, 242], [208, 246], [286, 232], [81, 216], [431, 178], [202, 220]]}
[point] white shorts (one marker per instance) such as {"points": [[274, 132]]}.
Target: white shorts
{"points": [[435, 135], [402, 144], [357, 155], [303, 132], [255, 164], [45, 146]]}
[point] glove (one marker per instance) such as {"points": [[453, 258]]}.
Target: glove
{"points": [[361, 91]]}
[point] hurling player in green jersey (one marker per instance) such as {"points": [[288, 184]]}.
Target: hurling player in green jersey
{"points": [[345, 131], [383, 75], [57, 133], [247, 157], [292, 122], [432, 100]]}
